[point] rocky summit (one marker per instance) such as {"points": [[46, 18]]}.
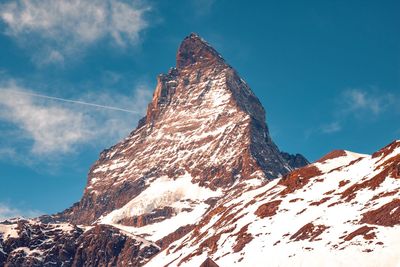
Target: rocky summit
{"points": [[204, 126], [200, 182]]}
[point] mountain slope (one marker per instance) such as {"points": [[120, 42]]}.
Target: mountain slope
{"points": [[343, 210]]}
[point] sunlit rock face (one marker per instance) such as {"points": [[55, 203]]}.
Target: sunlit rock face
{"points": [[204, 122]]}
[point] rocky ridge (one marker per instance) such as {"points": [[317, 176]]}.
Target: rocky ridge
{"points": [[33, 243]]}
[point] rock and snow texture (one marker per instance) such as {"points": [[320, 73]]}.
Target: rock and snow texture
{"points": [[204, 122], [193, 185], [34, 243], [184, 200], [343, 210]]}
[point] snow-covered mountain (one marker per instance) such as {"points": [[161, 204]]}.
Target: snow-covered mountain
{"points": [[204, 129], [200, 182], [343, 210]]}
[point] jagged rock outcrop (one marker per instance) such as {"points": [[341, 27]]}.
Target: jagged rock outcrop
{"points": [[33, 243], [295, 161]]}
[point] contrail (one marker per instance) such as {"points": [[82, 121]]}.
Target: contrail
{"points": [[74, 101]]}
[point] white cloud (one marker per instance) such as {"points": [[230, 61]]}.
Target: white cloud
{"points": [[359, 102], [7, 212], [51, 128], [55, 127], [61, 27]]}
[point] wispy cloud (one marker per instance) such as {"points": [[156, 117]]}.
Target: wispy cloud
{"points": [[51, 127], [7, 212], [362, 102], [55, 127], [59, 29], [358, 104]]}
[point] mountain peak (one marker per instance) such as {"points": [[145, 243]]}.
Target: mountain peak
{"points": [[195, 49], [204, 126]]}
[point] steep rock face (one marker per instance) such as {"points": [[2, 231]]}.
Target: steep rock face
{"points": [[32, 243], [342, 210], [295, 161], [204, 121]]}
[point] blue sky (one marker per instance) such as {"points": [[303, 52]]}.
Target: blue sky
{"points": [[327, 73]]}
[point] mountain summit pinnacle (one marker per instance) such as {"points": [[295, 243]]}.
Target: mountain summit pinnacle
{"points": [[204, 124], [195, 49]]}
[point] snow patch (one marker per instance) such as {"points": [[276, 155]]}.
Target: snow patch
{"points": [[8, 231]]}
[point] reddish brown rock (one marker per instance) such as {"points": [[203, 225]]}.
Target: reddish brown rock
{"points": [[386, 150], [295, 200], [242, 238], [209, 263], [298, 178], [268, 209], [343, 183], [105, 246], [309, 231], [332, 155], [386, 215], [317, 203], [386, 194], [372, 184], [363, 231], [177, 234]]}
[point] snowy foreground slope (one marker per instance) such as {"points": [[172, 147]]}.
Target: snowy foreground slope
{"points": [[200, 182], [343, 210]]}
